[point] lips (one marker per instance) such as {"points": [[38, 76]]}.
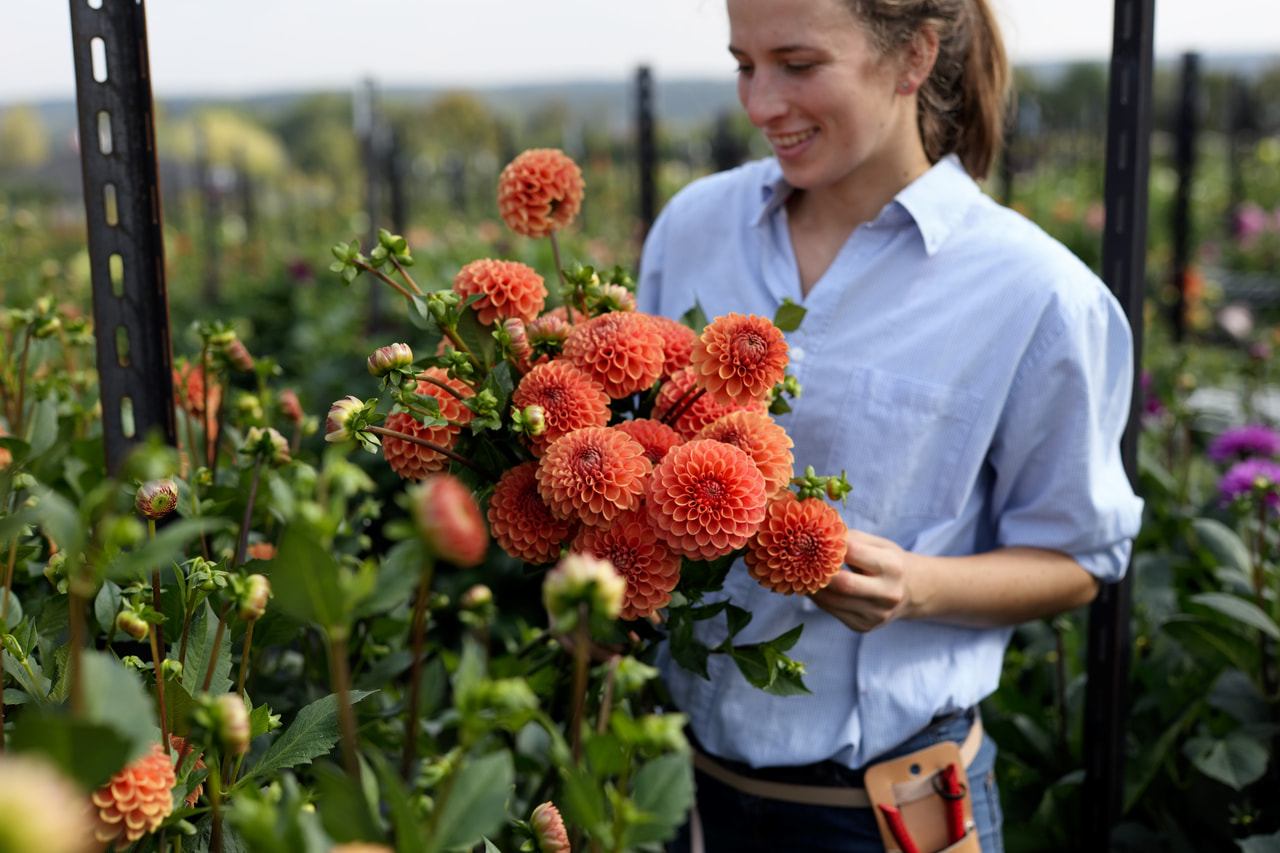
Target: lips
{"points": [[788, 140]]}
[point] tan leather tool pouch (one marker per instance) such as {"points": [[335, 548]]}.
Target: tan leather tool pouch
{"points": [[913, 784]]}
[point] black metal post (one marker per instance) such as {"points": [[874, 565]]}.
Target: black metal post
{"points": [[368, 131], [1184, 157], [646, 150], [122, 207], [1124, 270]]}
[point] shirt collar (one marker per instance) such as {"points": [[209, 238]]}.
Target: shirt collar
{"points": [[937, 200]]}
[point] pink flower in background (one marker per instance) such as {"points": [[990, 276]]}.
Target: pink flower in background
{"points": [[1245, 441], [1250, 476], [1250, 222]]}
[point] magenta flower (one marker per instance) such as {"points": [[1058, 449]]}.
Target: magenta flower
{"points": [[1243, 442], [1252, 476]]}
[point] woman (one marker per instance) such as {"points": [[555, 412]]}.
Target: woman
{"points": [[968, 373]]}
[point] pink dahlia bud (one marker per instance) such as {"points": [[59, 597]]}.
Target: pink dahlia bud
{"points": [[615, 297], [582, 579], [549, 331], [290, 407], [519, 337], [476, 597], [530, 421], [132, 624], [342, 417], [255, 590], [448, 520], [386, 359], [232, 720], [548, 829], [237, 355], [156, 498]]}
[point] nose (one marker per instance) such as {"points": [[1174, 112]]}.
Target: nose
{"points": [[761, 97]]}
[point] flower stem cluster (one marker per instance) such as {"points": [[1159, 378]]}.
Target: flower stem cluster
{"points": [[813, 486]]}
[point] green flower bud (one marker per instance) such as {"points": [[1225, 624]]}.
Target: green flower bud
{"points": [[389, 358], [131, 623], [578, 580], [156, 498]]}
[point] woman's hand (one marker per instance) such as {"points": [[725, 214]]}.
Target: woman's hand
{"points": [[878, 589]]}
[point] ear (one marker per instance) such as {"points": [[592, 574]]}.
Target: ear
{"points": [[918, 59]]}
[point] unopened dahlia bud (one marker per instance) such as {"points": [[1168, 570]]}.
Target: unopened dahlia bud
{"points": [[581, 579], [156, 498], [55, 571], [255, 590], [615, 297], [518, 338], [290, 407], [41, 809], [548, 829], [267, 443], [171, 669], [838, 488], [530, 421], [342, 416], [476, 597], [389, 358], [238, 356], [132, 624], [448, 520], [232, 723]]}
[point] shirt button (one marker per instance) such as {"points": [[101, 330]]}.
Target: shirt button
{"points": [[797, 354]]}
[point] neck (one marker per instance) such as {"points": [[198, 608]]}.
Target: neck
{"points": [[858, 198]]}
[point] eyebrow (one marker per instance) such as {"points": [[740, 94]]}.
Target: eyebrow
{"points": [[786, 48]]}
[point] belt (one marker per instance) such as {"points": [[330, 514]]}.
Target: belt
{"points": [[816, 795]]}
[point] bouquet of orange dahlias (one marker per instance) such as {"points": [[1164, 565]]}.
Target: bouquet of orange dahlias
{"points": [[585, 427]]}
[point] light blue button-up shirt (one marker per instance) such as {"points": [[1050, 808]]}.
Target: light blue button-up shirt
{"points": [[970, 376]]}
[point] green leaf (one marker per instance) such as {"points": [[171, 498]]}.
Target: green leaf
{"points": [[489, 847], [1222, 542], [787, 683], [738, 619], [785, 641], [476, 804], [305, 580], [204, 628], [1236, 760], [405, 822], [259, 720], [43, 430], [698, 577], [687, 651], [756, 665], [694, 318], [114, 697], [1239, 610], [105, 606], [1235, 694], [1204, 640], [344, 807], [87, 752], [1144, 767], [582, 802], [663, 791], [167, 547], [789, 316], [313, 733]]}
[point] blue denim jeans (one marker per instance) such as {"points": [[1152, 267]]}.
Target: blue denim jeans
{"points": [[734, 822]]}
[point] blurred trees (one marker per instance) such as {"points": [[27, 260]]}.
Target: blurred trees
{"points": [[24, 140]]}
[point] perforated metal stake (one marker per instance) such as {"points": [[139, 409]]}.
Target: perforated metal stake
{"points": [[1124, 248], [122, 206]]}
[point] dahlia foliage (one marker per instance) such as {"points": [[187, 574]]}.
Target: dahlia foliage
{"points": [[583, 426]]}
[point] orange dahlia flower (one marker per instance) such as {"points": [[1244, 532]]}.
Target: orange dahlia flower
{"points": [[622, 351], [41, 809], [539, 191], [593, 474], [706, 499], [521, 522], [136, 800], [799, 547], [189, 388], [654, 436], [704, 409], [179, 745], [509, 288], [765, 442], [739, 358], [6, 458], [413, 461], [548, 829], [649, 567], [262, 551], [570, 400], [677, 343]]}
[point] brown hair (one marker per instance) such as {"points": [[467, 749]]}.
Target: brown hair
{"points": [[964, 101]]}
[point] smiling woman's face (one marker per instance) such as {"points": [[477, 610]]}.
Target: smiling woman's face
{"points": [[827, 101]]}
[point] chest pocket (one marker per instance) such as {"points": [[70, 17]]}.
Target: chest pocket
{"points": [[902, 444]]}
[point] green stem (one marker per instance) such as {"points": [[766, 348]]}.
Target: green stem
{"points": [[243, 544], [555, 253], [8, 580], [217, 643], [431, 380], [76, 603], [461, 346], [676, 412], [581, 656], [405, 274], [443, 451], [19, 428], [341, 676], [244, 658], [386, 278], [215, 802], [204, 402], [606, 701], [419, 631], [158, 660]]}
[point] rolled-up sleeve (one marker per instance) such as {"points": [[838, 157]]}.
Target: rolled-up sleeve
{"points": [[1060, 483]]}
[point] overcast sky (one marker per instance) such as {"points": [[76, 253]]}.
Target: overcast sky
{"points": [[236, 47]]}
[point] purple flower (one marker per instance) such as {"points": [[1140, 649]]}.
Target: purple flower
{"points": [[1243, 478], [1250, 221], [1245, 441], [1152, 406]]}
